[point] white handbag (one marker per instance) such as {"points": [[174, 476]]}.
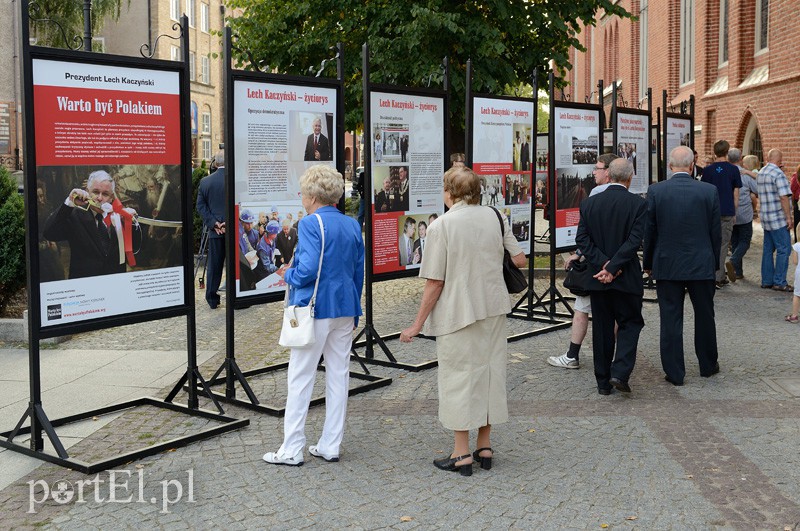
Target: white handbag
{"points": [[298, 321]]}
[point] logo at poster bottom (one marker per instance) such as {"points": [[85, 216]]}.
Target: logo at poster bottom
{"points": [[54, 312]]}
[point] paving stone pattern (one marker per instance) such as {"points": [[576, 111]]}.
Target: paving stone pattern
{"points": [[717, 453]]}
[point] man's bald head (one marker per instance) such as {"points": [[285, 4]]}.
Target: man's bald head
{"points": [[681, 159], [775, 156], [620, 171]]}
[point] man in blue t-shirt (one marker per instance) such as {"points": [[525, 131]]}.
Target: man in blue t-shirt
{"points": [[725, 176]]}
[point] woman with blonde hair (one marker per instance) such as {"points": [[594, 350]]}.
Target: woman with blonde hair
{"points": [[336, 310], [464, 304]]}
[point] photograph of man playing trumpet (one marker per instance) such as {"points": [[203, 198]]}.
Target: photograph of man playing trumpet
{"points": [[102, 233]]}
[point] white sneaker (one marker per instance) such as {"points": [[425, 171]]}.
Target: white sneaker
{"points": [[275, 459], [564, 362], [316, 453]]}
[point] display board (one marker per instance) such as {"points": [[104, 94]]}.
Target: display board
{"points": [[576, 137], [678, 133], [110, 200], [542, 166], [407, 164], [504, 156], [279, 131], [632, 142], [655, 136]]}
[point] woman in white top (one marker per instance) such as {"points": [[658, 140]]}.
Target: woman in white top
{"points": [[464, 304]]}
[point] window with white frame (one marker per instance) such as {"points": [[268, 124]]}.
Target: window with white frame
{"points": [[643, 81], [206, 148], [762, 25], [190, 12], [687, 41], [205, 17], [205, 70], [174, 53], [192, 68], [205, 123], [724, 13], [175, 9]]}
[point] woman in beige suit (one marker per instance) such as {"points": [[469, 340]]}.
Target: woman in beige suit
{"points": [[464, 304]]}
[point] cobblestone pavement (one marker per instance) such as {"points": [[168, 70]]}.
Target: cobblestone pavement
{"points": [[717, 453]]}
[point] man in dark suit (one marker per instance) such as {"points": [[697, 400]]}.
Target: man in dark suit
{"points": [[404, 148], [211, 207], [91, 221], [525, 155], [286, 242], [317, 145], [681, 248], [610, 232]]}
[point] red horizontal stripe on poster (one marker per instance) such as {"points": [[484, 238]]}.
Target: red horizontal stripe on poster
{"points": [[488, 168], [568, 217], [90, 126]]}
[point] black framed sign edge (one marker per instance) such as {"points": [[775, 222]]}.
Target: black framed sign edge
{"points": [[32, 53]]}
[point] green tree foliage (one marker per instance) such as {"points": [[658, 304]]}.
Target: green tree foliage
{"points": [[12, 239], [69, 14], [506, 40]]}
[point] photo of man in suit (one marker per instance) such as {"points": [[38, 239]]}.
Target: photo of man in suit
{"points": [[101, 233], [610, 231], [286, 242], [419, 243], [681, 252], [317, 145], [405, 243]]}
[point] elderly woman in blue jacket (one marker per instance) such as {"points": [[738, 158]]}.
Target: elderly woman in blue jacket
{"points": [[337, 308]]}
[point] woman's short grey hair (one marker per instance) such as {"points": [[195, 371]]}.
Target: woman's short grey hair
{"points": [[323, 183]]}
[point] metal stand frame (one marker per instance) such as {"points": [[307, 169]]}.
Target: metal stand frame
{"points": [[369, 333], [35, 412]]}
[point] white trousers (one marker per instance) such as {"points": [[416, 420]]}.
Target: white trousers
{"points": [[333, 339]]}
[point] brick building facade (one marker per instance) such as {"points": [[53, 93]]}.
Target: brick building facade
{"points": [[739, 58]]}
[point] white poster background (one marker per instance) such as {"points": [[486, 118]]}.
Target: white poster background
{"points": [[423, 119], [272, 123], [271, 126], [632, 132], [493, 121], [83, 299], [581, 125], [678, 134], [80, 299]]}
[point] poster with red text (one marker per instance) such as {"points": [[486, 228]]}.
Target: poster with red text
{"points": [[108, 186], [634, 146], [504, 156], [678, 134], [577, 144], [407, 168], [279, 131]]}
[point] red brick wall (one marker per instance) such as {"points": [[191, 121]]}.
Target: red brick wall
{"points": [[774, 104]]}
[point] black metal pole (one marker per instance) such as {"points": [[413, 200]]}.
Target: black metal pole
{"points": [[468, 117], [551, 200], [341, 163], [664, 153], [368, 187], [650, 132], [691, 120], [87, 25], [230, 220], [613, 120], [447, 128], [532, 168]]}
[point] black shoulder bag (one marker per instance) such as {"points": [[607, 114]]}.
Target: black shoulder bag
{"points": [[515, 279]]}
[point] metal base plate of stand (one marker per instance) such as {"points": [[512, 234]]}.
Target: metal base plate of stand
{"points": [[63, 459], [537, 310], [372, 382], [373, 337]]}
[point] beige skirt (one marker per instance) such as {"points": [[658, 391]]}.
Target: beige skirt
{"points": [[472, 375]]}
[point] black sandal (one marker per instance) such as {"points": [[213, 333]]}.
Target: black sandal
{"points": [[449, 463], [485, 462]]}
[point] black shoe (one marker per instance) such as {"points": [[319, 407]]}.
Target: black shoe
{"points": [[673, 382], [766, 286], [714, 371], [485, 462], [619, 385], [449, 464], [603, 391]]}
